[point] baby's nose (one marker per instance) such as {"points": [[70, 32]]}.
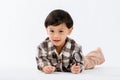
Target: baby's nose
{"points": [[56, 35]]}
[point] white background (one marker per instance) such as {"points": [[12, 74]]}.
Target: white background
{"points": [[96, 24]]}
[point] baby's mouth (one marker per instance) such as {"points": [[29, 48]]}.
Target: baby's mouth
{"points": [[56, 40]]}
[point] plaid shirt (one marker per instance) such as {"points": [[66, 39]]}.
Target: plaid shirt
{"points": [[48, 55]]}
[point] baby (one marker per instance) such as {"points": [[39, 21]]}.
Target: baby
{"points": [[58, 52]]}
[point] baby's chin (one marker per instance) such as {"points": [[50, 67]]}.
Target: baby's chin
{"points": [[56, 45]]}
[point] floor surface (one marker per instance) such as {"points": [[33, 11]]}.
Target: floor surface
{"points": [[99, 73]]}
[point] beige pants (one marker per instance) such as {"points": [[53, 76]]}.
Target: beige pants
{"points": [[93, 58]]}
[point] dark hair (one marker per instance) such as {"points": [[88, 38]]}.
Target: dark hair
{"points": [[57, 17]]}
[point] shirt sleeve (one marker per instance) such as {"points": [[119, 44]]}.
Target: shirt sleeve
{"points": [[41, 58], [80, 60]]}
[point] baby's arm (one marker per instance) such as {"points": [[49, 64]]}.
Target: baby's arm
{"points": [[43, 62], [77, 61]]}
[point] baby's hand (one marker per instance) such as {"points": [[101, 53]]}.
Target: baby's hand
{"points": [[48, 69], [75, 68]]}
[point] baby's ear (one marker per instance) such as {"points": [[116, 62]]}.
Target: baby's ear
{"points": [[70, 30]]}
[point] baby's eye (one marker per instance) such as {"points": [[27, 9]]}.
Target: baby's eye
{"points": [[61, 31], [51, 30]]}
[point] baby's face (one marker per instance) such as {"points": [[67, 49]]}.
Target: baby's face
{"points": [[58, 34]]}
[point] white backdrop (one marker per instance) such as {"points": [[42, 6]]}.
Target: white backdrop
{"points": [[96, 24]]}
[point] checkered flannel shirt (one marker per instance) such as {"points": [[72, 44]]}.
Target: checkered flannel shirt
{"points": [[47, 55]]}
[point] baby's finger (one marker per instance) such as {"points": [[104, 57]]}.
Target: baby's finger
{"points": [[48, 70], [53, 68], [76, 68]]}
